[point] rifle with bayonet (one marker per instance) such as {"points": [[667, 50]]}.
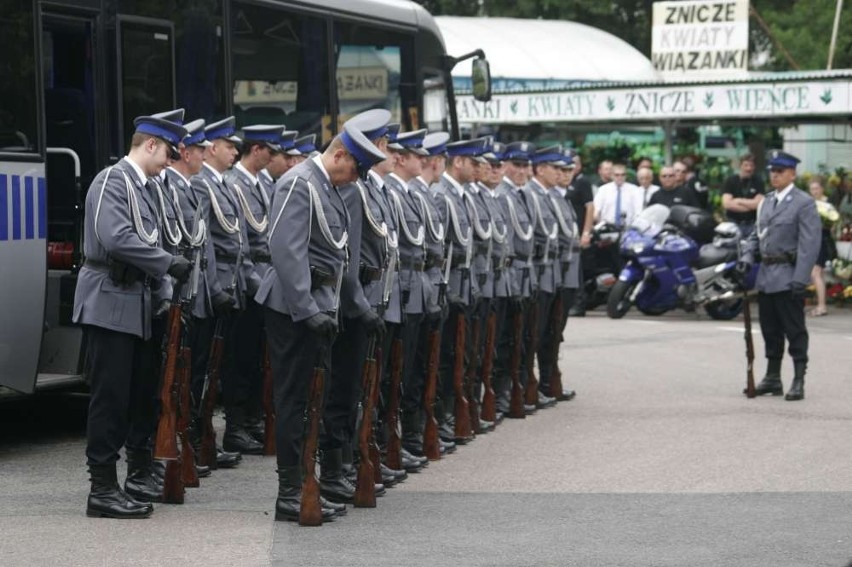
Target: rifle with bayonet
{"points": [[207, 451]]}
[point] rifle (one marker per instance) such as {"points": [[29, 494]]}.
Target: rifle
{"points": [[489, 398], [516, 403], [750, 392], [365, 493], [394, 446], [268, 406], [207, 453], [470, 381], [462, 410], [531, 393], [431, 445], [188, 472], [310, 509], [556, 331]]}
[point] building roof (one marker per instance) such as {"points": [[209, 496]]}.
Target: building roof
{"points": [[540, 54]]}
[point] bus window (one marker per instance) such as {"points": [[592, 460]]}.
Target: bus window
{"points": [[435, 102], [147, 70], [280, 68], [375, 69], [201, 60], [18, 100]]}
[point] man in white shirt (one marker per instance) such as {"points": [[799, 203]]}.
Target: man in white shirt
{"points": [[618, 202], [645, 177]]}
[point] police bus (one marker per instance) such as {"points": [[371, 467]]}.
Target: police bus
{"points": [[74, 74]]}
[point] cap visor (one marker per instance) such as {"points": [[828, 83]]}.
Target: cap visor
{"points": [[293, 152], [204, 143]]}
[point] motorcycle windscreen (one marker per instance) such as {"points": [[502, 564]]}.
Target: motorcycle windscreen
{"points": [[23, 261]]}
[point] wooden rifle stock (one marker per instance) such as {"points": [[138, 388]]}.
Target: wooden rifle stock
{"points": [[431, 445], [365, 492], [310, 509], [750, 392], [531, 393], [375, 453], [489, 398], [189, 474], [165, 445], [470, 376], [268, 406], [394, 446], [516, 402], [462, 428], [207, 453], [556, 319]]}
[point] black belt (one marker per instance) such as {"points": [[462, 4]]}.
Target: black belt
{"points": [[413, 265], [260, 258], [121, 273], [321, 278], [786, 258], [434, 261], [367, 274], [226, 258]]}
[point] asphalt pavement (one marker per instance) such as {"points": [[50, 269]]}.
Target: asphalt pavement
{"points": [[659, 461]]}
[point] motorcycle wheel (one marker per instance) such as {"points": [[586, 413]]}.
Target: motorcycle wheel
{"points": [[618, 303], [724, 310]]}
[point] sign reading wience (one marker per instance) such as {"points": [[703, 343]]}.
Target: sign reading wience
{"points": [[682, 102], [692, 37]]}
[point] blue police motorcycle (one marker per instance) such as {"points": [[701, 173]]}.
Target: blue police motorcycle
{"points": [[665, 268]]}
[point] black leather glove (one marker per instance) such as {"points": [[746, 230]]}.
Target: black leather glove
{"points": [[323, 326], [252, 285], [162, 308], [435, 316], [223, 304], [180, 268], [373, 324], [799, 290]]}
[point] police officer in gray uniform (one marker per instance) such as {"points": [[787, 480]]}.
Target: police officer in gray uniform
{"points": [[517, 208], [308, 242], [546, 163], [113, 303], [244, 369], [371, 226], [462, 289], [786, 241], [279, 164]]}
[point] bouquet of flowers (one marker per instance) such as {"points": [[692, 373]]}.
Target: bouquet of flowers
{"points": [[828, 215]]}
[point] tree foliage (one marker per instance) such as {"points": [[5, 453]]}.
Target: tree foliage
{"points": [[802, 27]]}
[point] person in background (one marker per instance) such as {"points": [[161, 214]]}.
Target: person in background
{"points": [[604, 175], [827, 251], [742, 194], [618, 202], [645, 178]]}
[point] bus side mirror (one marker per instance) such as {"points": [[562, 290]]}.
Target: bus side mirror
{"points": [[481, 79]]}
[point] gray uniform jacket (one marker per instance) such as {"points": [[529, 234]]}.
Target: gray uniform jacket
{"points": [[363, 282], [480, 219], [297, 243], [111, 233], [789, 227], [416, 285], [548, 278], [435, 234], [254, 204], [190, 200], [569, 242], [520, 221], [501, 247], [448, 193], [267, 183], [228, 246]]}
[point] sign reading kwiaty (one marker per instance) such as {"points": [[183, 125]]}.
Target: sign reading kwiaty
{"points": [[682, 102], [692, 37]]}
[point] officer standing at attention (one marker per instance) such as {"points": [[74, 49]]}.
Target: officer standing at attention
{"points": [[113, 303], [308, 242], [243, 373], [786, 239]]}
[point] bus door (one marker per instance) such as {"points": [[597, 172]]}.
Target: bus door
{"points": [[23, 227], [70, 110]]}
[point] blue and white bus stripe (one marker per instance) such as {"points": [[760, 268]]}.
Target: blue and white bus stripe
{"points": [[27, 212]]}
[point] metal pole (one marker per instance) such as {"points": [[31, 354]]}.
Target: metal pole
{"points": [[834, 33], [668, 130]]}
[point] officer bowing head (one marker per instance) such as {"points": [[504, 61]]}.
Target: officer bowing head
{"points": [[260, 142], [221, 144], [353, 151], [154, 143], [192, 149], [782, 169]]}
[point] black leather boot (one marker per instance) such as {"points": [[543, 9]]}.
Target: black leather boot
{"points": [[771, 382], [289, 499], [140, 482], [412, 433], [797, 388], [333, 483], [256, 428], [107, 500], [238, 440]]}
